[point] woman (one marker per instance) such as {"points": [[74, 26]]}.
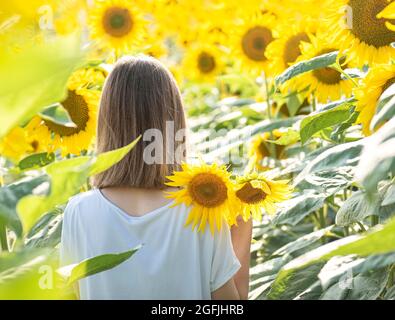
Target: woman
{"points": [[127, 207]]}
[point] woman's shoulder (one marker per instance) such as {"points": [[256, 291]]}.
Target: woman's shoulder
{"points": [[83, 198], [82, 201]]}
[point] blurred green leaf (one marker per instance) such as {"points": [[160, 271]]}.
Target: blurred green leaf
{"points": [[291, 136], [67, 177], [10, 195], [36, 160], [95, 265], [35, 77]]}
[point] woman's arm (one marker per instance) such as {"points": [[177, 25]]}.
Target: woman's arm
{"points": [[227, 292], [241, 240]]}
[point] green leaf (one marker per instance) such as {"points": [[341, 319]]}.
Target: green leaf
{"points": [[67, 177], [366, 286], [302, 242], [343, 155], [390, 294], [46, 232], [36, 160], [321, 120], [291, 136], [379, 241], [296, 209], [319, 62], [389, 196], [95, 265], [57, 114], [385, 110], [356, 208], [378, 158], [10, 195], [344, 268], [35, 77]]}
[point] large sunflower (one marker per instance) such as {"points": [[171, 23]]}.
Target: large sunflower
{"points": [[251, 40], [257, 194], [325, 83], [286, 48], [356, 28], [209, 191], [203, 63], [116, 24], [81, 104], [378, 79]]}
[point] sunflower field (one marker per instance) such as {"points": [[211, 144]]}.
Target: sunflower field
{"points": [[294, 97]]}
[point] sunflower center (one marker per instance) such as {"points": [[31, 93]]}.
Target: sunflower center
{"points": [[78, 111], [117, 21], [208, 190], [255, 42], [263, 150], [292, 47], [206, 62], [327, 75], [249, 194], [366, 27], [35, 145]]}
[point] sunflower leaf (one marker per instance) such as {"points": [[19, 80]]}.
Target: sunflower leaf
{"points": [[319, 62], [95, 265], [321, 120]]}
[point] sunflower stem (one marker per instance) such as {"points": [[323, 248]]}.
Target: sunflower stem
{"points": [[3, 237], [338, 68], [268, 100]]}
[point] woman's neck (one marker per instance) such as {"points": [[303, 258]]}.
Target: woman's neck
{"points": [[136, 201]]}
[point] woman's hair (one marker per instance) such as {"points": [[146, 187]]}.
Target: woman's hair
{"points": [[138, 95]]}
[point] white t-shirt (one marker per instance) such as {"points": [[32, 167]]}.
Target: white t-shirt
{"points": [[174, 262]]}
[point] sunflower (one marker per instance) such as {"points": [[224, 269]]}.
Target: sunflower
{"points": [[378, 79], [15, 145], [257, 194], [388, 13], [251, 40], [81, 104], [23, 141], [356, 28], [116, 24], [209, 190], [325, 83], [260, 149], [203, 63], [286, 48]]}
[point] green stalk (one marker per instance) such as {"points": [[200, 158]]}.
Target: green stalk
{"points": [[338, 68], [375, 220], [3, 237], [268, 101]]}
